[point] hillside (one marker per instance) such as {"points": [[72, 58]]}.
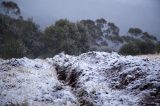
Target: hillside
{"points": [[90, 79]]}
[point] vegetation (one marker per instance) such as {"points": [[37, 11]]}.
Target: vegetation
{"points": [[158, 47], [64, 36], [19, 37], [13, 48], [138, 47], [135, 31]]}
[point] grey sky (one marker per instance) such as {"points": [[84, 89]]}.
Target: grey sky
{"points": [[144, 14]]}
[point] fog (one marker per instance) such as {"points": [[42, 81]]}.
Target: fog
{"points": [[144, 14]]}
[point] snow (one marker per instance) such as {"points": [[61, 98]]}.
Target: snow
{"points": [[99, 78], [32, 81]]}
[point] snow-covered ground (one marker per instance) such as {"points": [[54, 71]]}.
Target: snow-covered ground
{"points": [[91, 79], [153, 57], [33, 82]]}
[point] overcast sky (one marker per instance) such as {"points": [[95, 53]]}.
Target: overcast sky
{"points": [[144, 14]]}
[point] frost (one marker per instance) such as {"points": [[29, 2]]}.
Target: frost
{"points": [[93, 78]]}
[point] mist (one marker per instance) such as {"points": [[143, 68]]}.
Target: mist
{"points": [[124, 13]]}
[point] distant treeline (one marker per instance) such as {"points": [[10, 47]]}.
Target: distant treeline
{"points": [[19, 37]]}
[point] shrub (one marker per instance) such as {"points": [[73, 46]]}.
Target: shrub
{"points": [[13, 49], [158, 47], [129, 49], [138, 47], [146, 47]]}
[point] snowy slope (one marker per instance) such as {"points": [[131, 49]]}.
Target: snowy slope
{"points": [[91, 79]]}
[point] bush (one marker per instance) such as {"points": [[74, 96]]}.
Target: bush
{"points": [[129, 49], [158, 47], [146, 47], [13, 49], [138, 47]]}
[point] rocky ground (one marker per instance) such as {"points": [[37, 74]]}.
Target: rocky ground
{"points": [[91, 79]]}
